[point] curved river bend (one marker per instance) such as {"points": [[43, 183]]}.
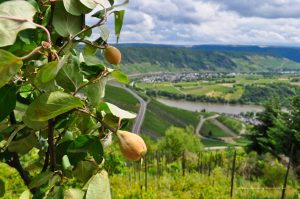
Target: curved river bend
{"points": [[211, 107]]}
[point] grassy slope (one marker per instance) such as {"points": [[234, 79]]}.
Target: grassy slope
{"points": [[233, 124], [208, 127], [160, 117]]}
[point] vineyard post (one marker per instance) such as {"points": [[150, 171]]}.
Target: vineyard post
{"points": [[287, 173], [146, 170], [232, 174], [209, 163], [183, 163]]}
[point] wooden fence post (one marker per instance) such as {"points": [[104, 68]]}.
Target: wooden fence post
{"points": [[232, 174], [183, 163], [287, 173], [145, 164]]}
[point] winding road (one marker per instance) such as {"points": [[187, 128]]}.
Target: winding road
{"points": [[138, 122]]}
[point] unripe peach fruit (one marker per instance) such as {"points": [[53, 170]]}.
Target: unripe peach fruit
{"points": [[132, 145], [112, 55]]}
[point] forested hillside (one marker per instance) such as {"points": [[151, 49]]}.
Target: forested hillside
{"points": [[156, 58]]}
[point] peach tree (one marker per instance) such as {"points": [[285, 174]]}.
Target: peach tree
{"points": [[52, 86]]}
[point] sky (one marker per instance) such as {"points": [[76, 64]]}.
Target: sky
{"points": [[192, 22]]}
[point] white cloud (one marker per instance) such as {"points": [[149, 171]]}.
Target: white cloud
{"points": [[274, 22]]}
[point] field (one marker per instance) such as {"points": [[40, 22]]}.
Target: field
{"points": [[234, 124], [235, 89]]}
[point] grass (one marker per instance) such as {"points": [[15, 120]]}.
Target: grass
{"points": [[209, 129], [234, 124], [160, 117], [242, 141]]}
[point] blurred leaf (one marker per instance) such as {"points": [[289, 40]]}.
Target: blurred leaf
{"points": [[64, 23], [2, 188], [9, 65], [86, 144], [119, 17], [66, 163], [47, 72], [104, 32], [92, 3], [50, 105], [56, 193], [116, 111], [70, 76], [8, 100], [98, 186], [74, 194], [120, 77], [111, 2], [76, 8], [24, 143], [84, 170], [9, 29], [96, 91], [89, 50], [100, 13], [25, 195], [34, 124], [40, 179]]}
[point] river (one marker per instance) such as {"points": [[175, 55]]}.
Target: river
{"points": [[211, 107]]}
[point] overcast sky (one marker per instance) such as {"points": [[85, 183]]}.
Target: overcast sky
{"points": [[191, 22]]}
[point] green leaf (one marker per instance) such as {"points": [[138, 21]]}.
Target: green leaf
{"points": [[50, 105], [92, 3], [64, 23], [66, 163], [120, 77], [114, 110], [111, 2], [25, 195], [2, 188], [89, 50], [56, 193], [87, 144], [9, 29], [34, 124], [76, 8], [100, 13], [98, 187], [47, 73], [24, 144], [74, 194], [9, 66], [85, 170], [119, 17], [40, 179], [8, 99], [104, 32], [70, 76], [96, 91]]}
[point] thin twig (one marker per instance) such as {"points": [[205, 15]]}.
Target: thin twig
{"points": [[92, 44], [36, 50]]}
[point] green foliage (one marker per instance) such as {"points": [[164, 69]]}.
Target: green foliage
{"points": [[53, 118], [177, 140], [209, 129]]}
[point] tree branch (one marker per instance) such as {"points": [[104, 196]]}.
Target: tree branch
{"points": [[51, 146], [15, 161]]}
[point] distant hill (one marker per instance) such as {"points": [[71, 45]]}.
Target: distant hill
{"points": [[143, 58]]}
